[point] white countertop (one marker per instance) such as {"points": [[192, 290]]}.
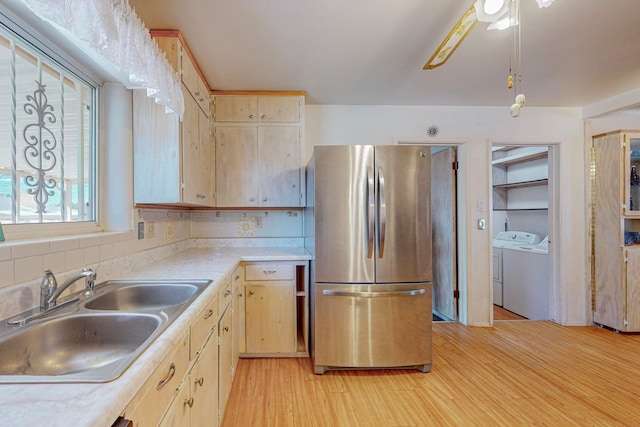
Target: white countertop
{"points": [[95, 405]]}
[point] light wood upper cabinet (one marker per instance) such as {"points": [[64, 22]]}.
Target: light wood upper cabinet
{"points": [[263, 109], [236, 163], [173, 160], [258, 162]]}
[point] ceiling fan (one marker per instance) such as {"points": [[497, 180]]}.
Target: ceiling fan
{"points": [[500, 14]]}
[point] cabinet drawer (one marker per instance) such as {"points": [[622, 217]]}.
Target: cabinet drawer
{"points": [[202, 327], [148, 405], [269, 272], [224, 297]]}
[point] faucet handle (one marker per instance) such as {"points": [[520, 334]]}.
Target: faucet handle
{"points": [[48, 286]]}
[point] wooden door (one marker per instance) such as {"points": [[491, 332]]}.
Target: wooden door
{"points": [[270, 321], [236, 166], [278, 109], [443, 223], [279, 166]]}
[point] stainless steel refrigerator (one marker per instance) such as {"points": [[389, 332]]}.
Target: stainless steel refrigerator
{"points": [[368, 227]]}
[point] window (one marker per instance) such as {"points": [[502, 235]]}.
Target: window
{"points": [[47, 138]]}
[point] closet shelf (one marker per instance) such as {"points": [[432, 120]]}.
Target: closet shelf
{"points": [[523, 184], [533, 154]]}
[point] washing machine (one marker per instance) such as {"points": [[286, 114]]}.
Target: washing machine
{"points": [[526, 280], [502, 240]]}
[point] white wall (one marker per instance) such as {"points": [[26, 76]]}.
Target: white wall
{"points": [[476, 128]]}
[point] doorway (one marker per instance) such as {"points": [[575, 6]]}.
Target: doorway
{"points": [[523, 228]]}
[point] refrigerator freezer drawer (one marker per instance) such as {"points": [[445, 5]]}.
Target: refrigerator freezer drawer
{"points": [[372, 326]]}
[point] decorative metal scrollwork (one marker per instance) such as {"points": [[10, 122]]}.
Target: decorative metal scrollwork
{"points": [[39, 151]]}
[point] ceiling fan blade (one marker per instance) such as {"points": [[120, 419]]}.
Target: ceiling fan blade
{"points": [[453, 39]]}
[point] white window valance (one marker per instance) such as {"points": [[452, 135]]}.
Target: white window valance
{"points": [[111, 30]]}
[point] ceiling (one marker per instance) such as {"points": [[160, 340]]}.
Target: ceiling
{"points": [[371, 52]]}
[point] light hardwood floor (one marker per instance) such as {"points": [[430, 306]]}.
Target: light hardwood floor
{"points": [[514, 374]]}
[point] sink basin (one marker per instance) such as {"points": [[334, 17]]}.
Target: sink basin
{"points": [[148, 296], [94, 338], [72, 344]]}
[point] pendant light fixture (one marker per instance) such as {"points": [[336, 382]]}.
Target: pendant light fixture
{"points": [[514, 81]]}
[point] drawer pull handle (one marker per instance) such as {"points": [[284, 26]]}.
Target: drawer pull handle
{"points": [[209, 314], [189, 402], [172, 372], [226, 294], [269, 271], [200, 381]]}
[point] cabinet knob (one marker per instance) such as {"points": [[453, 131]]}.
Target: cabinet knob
{"points": [[252, 199], [189, 402], [197, 93], [200, 381], [264, 116], [226, 294], [251, 292], [226, 329], [251, 116]]}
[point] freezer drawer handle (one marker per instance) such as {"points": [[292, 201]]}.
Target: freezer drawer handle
{"points": [[407, 293]]}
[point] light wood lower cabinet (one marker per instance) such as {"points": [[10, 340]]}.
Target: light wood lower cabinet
{"points": [[194, 378], [196, 402], [148, 405], [276, 309]]}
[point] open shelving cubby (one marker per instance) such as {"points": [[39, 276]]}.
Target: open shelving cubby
{"points": [[518, 174]]}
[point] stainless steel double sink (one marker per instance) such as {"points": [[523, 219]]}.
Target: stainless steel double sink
{"points": [[95, 338]]}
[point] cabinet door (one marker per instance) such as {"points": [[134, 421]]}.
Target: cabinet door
{"points": [[236, 166], [189, 75], [236, 108], [190, 150], [179, 412], [278, 109], [631, 181], [633, 290], [206, 165], [279, 166], [204, 384], [270, 319], [238, 317], [156, 152], [224, 362]]}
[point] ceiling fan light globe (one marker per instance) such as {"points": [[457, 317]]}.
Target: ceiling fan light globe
{"points": [[491, 7], [491, 10], [515, 110], [521, 99]]}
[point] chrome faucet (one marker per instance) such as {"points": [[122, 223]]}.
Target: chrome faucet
{"points": [[49, 291]]}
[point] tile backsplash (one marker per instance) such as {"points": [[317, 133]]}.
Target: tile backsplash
{"points": [[155, 233]]}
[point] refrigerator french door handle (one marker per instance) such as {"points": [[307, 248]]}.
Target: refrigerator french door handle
{"points": [[382, 217], [371, 212], [408, 293]]}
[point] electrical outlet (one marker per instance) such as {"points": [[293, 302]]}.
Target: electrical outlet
{"points": [[140, 230], [169, 226], [151, 230]]}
